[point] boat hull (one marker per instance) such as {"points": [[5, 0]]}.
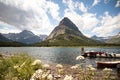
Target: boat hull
{"points": [[107, 64]]}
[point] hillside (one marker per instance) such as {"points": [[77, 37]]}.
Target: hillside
{"points": [[114, 39], [4, 39]]}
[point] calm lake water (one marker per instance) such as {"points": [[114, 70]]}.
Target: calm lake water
{"points": [[63, 55]]}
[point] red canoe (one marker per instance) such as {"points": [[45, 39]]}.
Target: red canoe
{"points": [[112, 64]]}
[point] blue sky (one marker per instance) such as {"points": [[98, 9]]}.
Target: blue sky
{"points": [[92, 17]]}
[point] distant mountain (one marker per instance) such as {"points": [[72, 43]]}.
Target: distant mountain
{"points": [[25, 36], [67, 33], [102, 39], [4, 39], [114, 39], [5, 42], [43, 37]]}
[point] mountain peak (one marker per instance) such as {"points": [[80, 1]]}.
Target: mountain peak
{"points": [[26, 32], [66, 26], [94, 36], [67, 22], [65, 19]]}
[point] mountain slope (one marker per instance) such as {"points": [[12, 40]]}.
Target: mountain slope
{"points": [[65, 26], [67, 33], [43, 37], [114, 39], [4, 42], [25, 36], [4, 39]]}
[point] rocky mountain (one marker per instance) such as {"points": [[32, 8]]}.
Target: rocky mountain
{"points": [[5, 42], [65, 27], [102, 39], [25, 36], [114, 39], [67, 33], [4, 39], [43, 37]]}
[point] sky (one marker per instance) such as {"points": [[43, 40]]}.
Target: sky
{"points": [[92, 17]]}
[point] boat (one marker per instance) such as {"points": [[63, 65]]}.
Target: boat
{"points": [[100, 54], [108, 64], [93, 54]]}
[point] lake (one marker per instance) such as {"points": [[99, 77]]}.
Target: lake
{"points": [[63, 55]]}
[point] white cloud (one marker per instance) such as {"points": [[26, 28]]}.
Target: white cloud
{"points": [[117, 4], [72, 5], [103, 26], [53, 10], [82, 7], [84, 22], [36, 17], [95, 2], [69, 4], [109, 25], [90, 21], [8, 28]]}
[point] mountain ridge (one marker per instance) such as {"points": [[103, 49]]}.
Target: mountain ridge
{"points": [[114, 39], [102, 39], [108, 40], [5, 42], [25, 36], [4, 39]]}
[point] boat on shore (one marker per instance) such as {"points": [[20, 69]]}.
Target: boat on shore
{"points": [[97, 54], [92, 54], [108, 64]]}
